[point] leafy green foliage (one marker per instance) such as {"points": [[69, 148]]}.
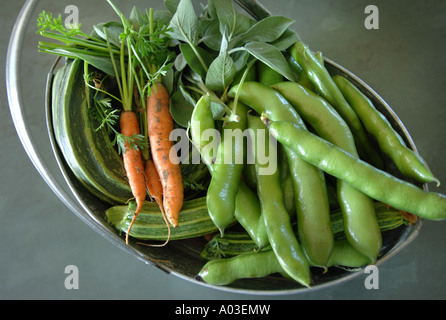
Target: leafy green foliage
{"points": [[219, 43]]}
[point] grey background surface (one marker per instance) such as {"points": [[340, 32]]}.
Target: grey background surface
{"points": [[404, 61]]}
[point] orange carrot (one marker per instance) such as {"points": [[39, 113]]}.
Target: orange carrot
{"points": [[155, 191], [133, 163], [153, 183], [160, 124]]}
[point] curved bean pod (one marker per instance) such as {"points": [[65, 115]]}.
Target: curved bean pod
{"points": [[373, 182], [227, 172], [202, 121], [277, 221], [311, 198], [407, 161], [247, 206], [264, 263], [360, 221], [326, 87]]}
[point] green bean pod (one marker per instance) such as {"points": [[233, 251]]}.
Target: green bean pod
{"points": [[326, 87], [407, 161], [202, 125], [375, 183], [277, 221], [248, 265], [227, 171], [239, 242], [264, 263], [311, 198], [361, 224], [247, 207], [248, 213]]}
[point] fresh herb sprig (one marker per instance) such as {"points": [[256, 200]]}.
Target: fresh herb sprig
{"points": [[218, 45]]}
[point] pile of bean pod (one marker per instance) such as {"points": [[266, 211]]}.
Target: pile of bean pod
{"points": [[326, 128]]}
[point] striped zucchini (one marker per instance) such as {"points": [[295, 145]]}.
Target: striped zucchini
{"points": [[194, 221], [235, 243], [88, 151]]}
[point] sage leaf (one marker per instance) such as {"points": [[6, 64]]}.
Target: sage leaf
{"points": [[183, 24], [266, 30], [218, 109], [271, 56], [212, 36], [240, 59], [221, 72], [181, 106], [113, 30], [227, 16], [287, 39], [193, 61]]}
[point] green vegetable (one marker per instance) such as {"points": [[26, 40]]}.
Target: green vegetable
{"points": [[326, 87], [227, 171], [248, 265], [246, 205], [87, 150], [359, 213], [390, 142], [267, 75], [194, 221], [373, 182], [202, 127], [264, 263], [249, 215], [277, 221], [310, 189], [239, 242]]}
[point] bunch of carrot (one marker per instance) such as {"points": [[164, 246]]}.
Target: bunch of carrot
{"points": [[149, 171], [159, 176]]}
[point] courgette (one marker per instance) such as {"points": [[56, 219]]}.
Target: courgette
{"points": [[88, 151], [239, 242], [194, 221]]}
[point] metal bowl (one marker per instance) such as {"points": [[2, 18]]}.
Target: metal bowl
{"points": [[184, 255]]}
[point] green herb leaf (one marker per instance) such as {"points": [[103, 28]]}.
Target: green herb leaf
{"points": [[193, 60], [218, 109], [212, 36], [181, 106], [184, 23], [266, 30], [271, 56], [287, 39], [221, 73], [113, 30], [227, 16]]}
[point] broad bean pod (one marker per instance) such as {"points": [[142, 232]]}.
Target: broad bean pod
{"points": [[247, 207], [264, 263], [360, 221], [326, 87], [277, 221], [311, 198], [390, 142], [227, 171], [375, 183], [201, 126]]}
